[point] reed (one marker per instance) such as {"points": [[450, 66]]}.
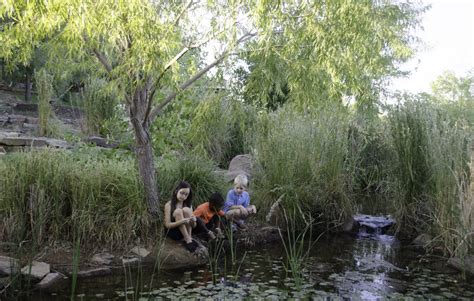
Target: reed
{"points": [[297, 243], [369, 162], [431, 175], [65, 192], [303, 157], [101, 108]]}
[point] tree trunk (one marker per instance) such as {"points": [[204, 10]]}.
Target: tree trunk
{"points": [[144, 149], [146, 168]]}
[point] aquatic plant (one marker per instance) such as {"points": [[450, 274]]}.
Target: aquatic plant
{"points": [[297, 243]]}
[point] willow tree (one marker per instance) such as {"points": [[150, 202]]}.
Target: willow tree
{"points": [[149, 49], [328, 50]]}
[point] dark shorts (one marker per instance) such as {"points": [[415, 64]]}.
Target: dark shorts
{"points": [[174, 234]]}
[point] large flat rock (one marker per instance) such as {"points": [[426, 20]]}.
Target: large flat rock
{"points": [[36, 270], [173, 255], [8, 265]]}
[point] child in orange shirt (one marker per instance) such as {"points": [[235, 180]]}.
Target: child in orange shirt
{"points": [[211, 214]]}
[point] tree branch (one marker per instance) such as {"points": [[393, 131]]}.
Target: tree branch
{"points": [[100, 56], [153, 86], [175, 23], [157, 110]]}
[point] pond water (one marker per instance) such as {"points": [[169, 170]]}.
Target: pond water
{"points": [[366, 267]]}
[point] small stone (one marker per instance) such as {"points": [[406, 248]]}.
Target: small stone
{"points": [[130, 261], [141, 252]]}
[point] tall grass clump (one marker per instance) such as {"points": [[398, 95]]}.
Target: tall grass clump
{"points": [[303, 156], [100, 107], [195, 169], [368, 160], [67, 193], [221, 128], [44, 86], [431, 175]]}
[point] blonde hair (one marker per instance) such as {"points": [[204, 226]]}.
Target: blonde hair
{"points": [[241, 180]]}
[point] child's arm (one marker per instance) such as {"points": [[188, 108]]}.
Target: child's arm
{"points": [[246, 196], [229, 202]]}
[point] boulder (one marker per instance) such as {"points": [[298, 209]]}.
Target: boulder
{"points": [[350, 225], [49, 280], [8, 265], [465, 264], [373, 224], [422, 241], [173, 255], [240, 164], [23, 141], [36, 270]]}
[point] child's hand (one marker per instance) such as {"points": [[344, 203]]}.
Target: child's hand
{"points": [[252, 209], [211, 235]]}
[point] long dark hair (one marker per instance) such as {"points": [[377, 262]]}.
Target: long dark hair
{"points": [[186, 203]]}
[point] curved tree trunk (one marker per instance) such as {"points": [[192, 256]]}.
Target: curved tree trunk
{"points": [[144, 149], [146, 167]]}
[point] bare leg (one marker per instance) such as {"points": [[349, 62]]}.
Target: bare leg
{"points": [[178, 215], [187, 214]]}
